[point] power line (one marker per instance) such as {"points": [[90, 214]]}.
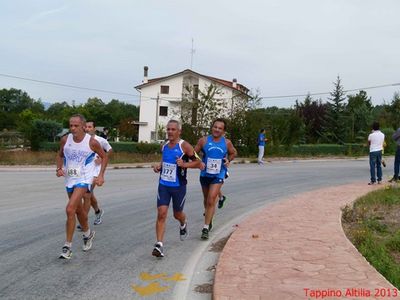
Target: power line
{"points": [[327, 93], [69, 86], [170, 98]]}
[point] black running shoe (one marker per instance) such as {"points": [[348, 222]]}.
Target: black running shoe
{"points": [[204, 234], [158, 250], [221, 202], [183, 233]]}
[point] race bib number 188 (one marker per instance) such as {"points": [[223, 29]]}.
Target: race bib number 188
{"points": [[74, 172]]}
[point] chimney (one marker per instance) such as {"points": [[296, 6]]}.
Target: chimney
{"points": [[145, 77], [234, 83]]}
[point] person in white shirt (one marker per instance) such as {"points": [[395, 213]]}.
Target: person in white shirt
{"points": [[91, 130], [376, 139]]}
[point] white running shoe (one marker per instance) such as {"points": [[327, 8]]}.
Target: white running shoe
{"points": [[88, 241]]}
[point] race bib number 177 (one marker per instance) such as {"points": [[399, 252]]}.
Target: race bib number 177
{"points": [[168, 172]]}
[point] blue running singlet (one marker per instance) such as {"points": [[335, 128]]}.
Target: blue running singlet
{"points": [[213, 157], [171, 174]]}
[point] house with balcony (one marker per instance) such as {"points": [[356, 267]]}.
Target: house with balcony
{"points": [[161, 98]]}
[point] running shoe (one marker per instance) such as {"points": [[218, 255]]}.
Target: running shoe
{"points": [[88, 241], [210, 225], [158, 250], [221, 202], [66, 253], [204, 234], [183, 233], [98, 217]]}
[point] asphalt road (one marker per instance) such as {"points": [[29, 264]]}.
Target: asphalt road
{"points": [[32, 222]]}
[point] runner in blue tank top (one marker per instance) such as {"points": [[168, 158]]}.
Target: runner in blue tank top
{"points": [[176, 154], [218, 152]]}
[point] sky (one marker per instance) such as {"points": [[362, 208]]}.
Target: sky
{"points": [[275, 47]]}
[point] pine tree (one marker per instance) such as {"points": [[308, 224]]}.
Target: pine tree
{"points": [[335, 121]]}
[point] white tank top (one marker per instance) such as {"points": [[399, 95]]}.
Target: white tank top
{"points": [[106, 147], [78, 161]]}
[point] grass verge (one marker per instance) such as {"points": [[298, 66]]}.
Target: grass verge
{"points": [[372, 224], [15, 158]]}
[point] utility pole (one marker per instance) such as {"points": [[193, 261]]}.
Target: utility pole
{"points": [[192, 51], [157, 105]]}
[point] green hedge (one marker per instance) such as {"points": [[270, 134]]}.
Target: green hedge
{"points": [[131, 147], [306, 150]]}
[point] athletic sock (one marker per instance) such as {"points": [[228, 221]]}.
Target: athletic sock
{"points": [[86, 233], [206, 226], [160, 243], [183, 226], [67, 244]]}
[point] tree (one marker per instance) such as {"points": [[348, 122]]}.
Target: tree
{"points": [[12, 103], [240, 104], [120, 110], [359, 113], [199, 109], [127, 130], [334, 128], [295, 129], [95, 109], [312, 112], [25, 125], [46, 130], [58, 111], [394, 110]]}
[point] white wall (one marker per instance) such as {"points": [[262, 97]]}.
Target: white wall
{"points": [[172, 100], [148, 104]]}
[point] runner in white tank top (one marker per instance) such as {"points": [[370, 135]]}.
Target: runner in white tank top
{"points": [[75, 161], [91, 130]]}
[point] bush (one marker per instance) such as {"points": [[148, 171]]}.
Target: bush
{"points": [[49, 146]]}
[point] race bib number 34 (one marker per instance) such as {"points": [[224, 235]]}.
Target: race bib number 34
{"points": [[213, 165], [168, 172]]}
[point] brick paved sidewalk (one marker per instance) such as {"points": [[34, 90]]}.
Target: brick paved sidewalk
{"points": [[294, 245]]}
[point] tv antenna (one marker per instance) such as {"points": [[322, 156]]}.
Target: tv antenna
{"points": [[192, 52]]}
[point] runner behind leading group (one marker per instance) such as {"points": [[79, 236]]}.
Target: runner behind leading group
{"points": [[91, 129], [218, 152]]}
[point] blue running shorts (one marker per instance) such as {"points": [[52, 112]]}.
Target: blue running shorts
{"points": [[176, 193], [206, 181], [79, 185]]}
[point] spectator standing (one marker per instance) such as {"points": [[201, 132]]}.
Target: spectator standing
{"points": [[376, 140], [261, 145]]}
